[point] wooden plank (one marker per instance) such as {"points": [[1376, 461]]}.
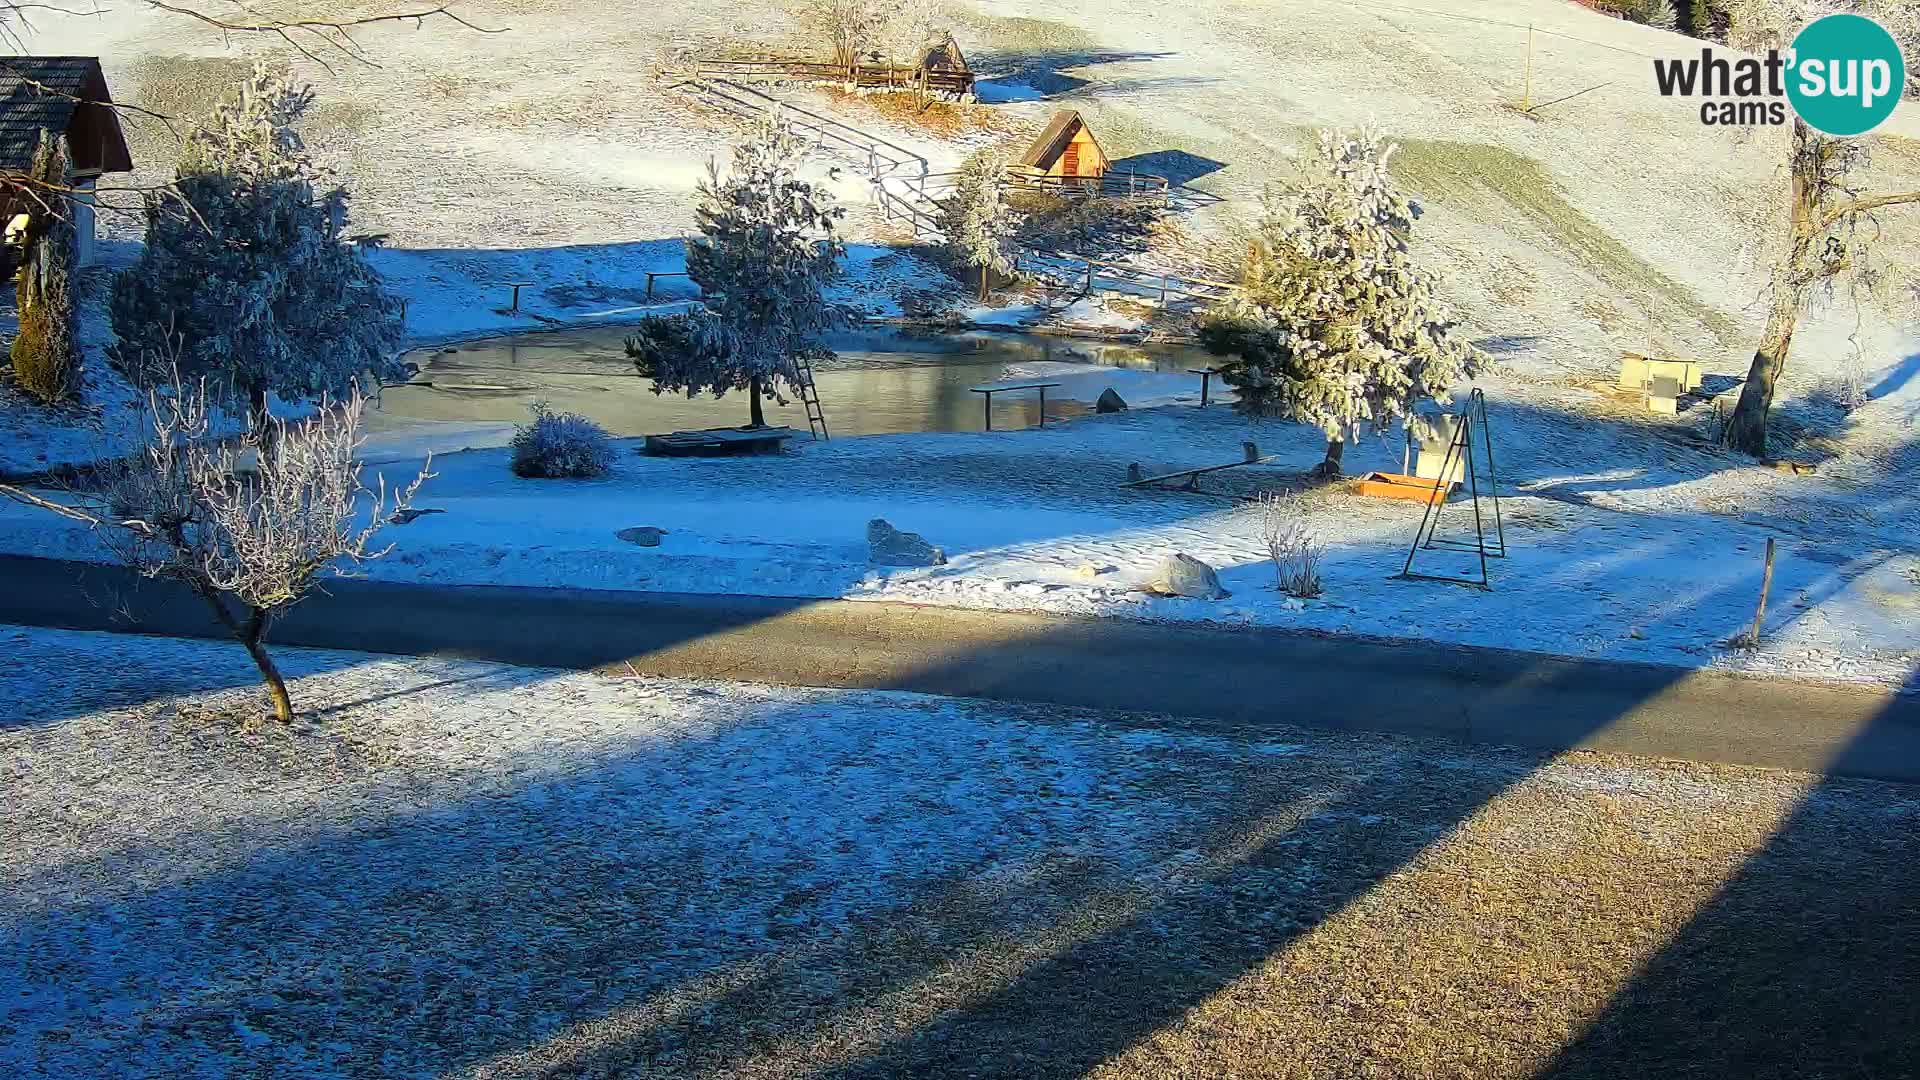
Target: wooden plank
{"points": [[1267, 460], [994, 388]]}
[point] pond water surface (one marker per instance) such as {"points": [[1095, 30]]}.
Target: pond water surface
{"points": [[882, 382]]}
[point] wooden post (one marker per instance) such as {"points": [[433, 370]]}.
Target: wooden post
{"points": [[873, 165], [1766, 584], [517, 286], [1089, 277], [1526, 99], [1163, 303]]}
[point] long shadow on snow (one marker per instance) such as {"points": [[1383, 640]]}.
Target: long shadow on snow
{"points": [[1805, 963], [445, 941]]}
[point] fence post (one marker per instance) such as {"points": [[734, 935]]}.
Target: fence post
{"points": [[873, 164], [649, 284], [1089, 277], [1163, 303]]}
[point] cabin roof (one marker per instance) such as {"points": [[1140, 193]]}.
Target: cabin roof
{"points": [[1052, 141], [943, 54], [43, 93]]}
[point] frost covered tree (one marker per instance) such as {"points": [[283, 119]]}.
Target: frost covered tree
{"points": [[851, 27], [250, 542], [247, 282], [1333, 324], [977, 223], [765, 253], [46, 354], [1830, 219]]}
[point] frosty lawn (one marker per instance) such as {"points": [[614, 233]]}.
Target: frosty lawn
{"points": [[454, 869]]}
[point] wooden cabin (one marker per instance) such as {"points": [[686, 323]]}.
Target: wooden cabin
{"points": [[943, 67], [66, 95], [1064, 150]]}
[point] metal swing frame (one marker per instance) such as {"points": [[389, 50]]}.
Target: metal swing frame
{"points": [[1461, 451]]}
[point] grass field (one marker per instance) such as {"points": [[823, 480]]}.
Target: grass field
{"points": [[460, 870]]}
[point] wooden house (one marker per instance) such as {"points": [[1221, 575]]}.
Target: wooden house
{"points": [[1065, 150], [66, 95], [943, 67]]}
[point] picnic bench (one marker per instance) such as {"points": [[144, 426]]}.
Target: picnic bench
{"points": [[998, 388], [719, 442]]}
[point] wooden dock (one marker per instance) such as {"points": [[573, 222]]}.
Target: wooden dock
{"points": [[719, 442]]}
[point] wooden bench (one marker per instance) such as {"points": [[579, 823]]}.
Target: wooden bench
{"points": [[1251, 456], [719, 442], [998, 388]]}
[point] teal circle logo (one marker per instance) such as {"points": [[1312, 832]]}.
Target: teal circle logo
{"points": [[1847, 74]]}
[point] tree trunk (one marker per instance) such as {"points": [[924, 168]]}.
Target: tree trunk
{"points": [[260, 423], [256, 631], [251, 635], [1329, 467], [983, 283], [756, 417], [1746, 429]]}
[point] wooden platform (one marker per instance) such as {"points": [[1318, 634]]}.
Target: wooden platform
{"points": [[1382, 485], [719, 442]]}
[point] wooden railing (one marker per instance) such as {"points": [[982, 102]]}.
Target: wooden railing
{"points": [[901, 76], [1129, 185]]}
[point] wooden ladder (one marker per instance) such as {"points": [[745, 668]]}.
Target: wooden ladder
{"points": [[810, 397]]}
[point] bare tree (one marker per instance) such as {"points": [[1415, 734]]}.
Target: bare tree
{"points": [[1296, 552], [1830, 219], [249, 540], [851, 27]]}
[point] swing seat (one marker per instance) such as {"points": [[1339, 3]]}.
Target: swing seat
{"points": [[1383, 485]]}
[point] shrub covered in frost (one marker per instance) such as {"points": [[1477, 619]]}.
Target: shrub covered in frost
{"points": [[560, 444]]}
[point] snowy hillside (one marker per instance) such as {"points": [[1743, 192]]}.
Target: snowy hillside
{"points": [[552, 151]]}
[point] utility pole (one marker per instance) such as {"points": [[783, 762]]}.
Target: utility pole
{"points": [[1526, 99]]}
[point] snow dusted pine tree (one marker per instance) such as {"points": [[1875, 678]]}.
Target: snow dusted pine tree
{"points": [[247, 282], [1332, 323], [976, 221], [765, 253]]}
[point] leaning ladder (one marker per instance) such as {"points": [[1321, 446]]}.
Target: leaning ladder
{"points": [[810, 397]]}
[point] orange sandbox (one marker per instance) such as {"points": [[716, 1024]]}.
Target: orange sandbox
{"points": [[1386, 485]]}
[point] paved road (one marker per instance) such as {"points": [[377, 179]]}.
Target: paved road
{"points": [[1217, 676]]}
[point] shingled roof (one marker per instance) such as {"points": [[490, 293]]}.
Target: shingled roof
{"points": [[1052, 140], [66, 94]]}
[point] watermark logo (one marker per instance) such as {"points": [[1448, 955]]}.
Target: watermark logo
{"points": [[1843, 76]]}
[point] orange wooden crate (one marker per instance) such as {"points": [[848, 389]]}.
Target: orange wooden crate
{"points": [[1385, 485]]}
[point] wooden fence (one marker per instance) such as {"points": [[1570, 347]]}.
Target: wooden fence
{"points": [[892, 76]]}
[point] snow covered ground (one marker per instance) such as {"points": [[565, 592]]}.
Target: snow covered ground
{"points": [[452, 869], [1627, 538]]}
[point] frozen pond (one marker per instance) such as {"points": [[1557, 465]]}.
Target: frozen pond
{"points": [[882, 382]]}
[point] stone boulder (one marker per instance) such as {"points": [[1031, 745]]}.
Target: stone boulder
{"points": [[644, 535], [1110, 401], [888, 546], [1184, 575]]}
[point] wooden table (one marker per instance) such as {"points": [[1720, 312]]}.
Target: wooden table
{"points": [[996, 388], [1206, 375]]}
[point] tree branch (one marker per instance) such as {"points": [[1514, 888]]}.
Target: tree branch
{"points": [[333, 34], [1861, 206]]}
